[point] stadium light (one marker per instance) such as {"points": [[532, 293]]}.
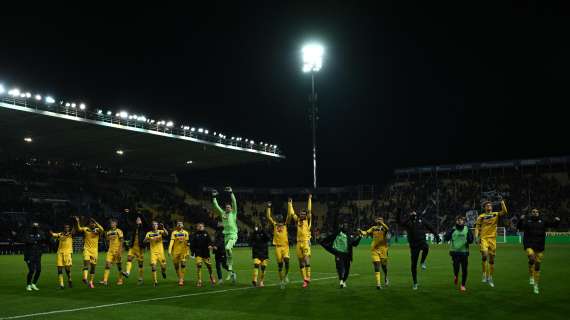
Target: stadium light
{"points": [[73, 105], [123, 114], [189, 162], [99, 111], [141, 118], [28, 95], [82, 106], [14, 92], [109, 113], [313, 62], [38, 97], [200, 130], [67, 104], [169, 124], [28, 139], [50, 100], [192, 129], [2, 90], [120, 152], [22, 95]]}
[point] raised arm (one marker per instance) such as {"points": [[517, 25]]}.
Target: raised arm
{"points": [[77, 226], [521, 223], [217, 206], [101, 229], [365, 233], [310, 210], [268, 214], [503, 208], [234, 203], [291, 211]]}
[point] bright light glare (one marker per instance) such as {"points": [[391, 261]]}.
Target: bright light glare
{"points": [[169, 124], [312, 57], [123, 114], [50, 100], [2, 90], [120, 152], [14, 92], [38, 97], [82, 106], [28, 139]]}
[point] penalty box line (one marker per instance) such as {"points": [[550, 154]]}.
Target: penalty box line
{"points": [[47, 313]]}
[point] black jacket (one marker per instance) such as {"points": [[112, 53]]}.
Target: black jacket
{"points": [[199, 243], [416, 230], [34, 243], [328, 241], [260, 245], [219, 243], [535, 232]]}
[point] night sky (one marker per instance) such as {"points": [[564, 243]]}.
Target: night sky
{"points": [[403, 83]]}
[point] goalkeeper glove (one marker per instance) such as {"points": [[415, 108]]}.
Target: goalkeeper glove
{"points": [[214, 193]]}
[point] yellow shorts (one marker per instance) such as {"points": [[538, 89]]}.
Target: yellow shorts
{"points": [[489, 246], [538, 256], [303, 249], [178, 257], [136, 252], [260, 262], [64, 260], [91, 256], [113, 257], [157, 257], [379, 253], [281, 252], [199, 260]]}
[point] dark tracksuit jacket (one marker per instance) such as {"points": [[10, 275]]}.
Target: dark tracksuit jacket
{"points": [[199, 243], [260, 245], [535, 232]]}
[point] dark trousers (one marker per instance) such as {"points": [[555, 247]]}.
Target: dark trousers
{"points": [[342, 266], [34, 269], [415, 254], [221, 262], [460, 261]]}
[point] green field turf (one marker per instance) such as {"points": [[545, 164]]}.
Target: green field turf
{"points": [[437, 298]]}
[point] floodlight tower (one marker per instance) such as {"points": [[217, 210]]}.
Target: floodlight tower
{"points": [[312, 63]]}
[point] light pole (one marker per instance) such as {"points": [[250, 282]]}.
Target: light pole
{"points": [[312, 63]]}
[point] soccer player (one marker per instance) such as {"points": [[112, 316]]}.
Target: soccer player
{"points": [[486, 236], [534, 228], [341, 244], [91, 235], [260, 255], [34, 241], [379, 250], [281, 243], [229, 218], [200, 244], [179, 250], [154, 238], [64, 252], [136, 248], [459, 237], [303, 221], [218, 247], [114, 238], [416, 230]]}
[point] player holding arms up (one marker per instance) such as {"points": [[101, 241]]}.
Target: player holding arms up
{"points": [[179, 250], [534, 228], [91, 235], [486, 236], [229, 218], [379, 250], [281, 243], [64, 252], [114, 254], [303, 221], [136, 248], [200, 244], [155, 237]]}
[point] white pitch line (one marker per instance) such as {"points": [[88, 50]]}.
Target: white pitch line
{"points": [[30, 315]]}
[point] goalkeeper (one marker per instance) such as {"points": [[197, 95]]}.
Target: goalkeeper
{"points": [[229, 218]]}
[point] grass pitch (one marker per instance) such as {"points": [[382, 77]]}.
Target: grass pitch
{"points": [[437, 297]]}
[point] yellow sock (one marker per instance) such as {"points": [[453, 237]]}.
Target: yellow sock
{"points": [[303, 273], [308, 272], [129, 267], [199, 272], [60, 278], [255, 272], [106, 275], [491, 269], [85, 273], [141, 273], [378, 278], [91, 277], [484, 267], [154, 276]]}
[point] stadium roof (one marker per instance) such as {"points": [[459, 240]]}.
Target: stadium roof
{"points": [[94, 138]]}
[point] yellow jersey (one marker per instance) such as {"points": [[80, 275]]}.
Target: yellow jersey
{"points": [[155, 239], [115, 238], [487, 222], [179, 241], [379, 235], [280, 236], [65, 242], [303, 226], [91, 238]]}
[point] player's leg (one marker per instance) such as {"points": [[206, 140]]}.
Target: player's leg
{"points": [[384, 265], [375, 256], [531, 260], [198, 271], [68, 274], [85, 270], [129, 264], [347, 264], [537, 264], [210, 273], [119, 265], [255, 272], [60, 276], [464, 263], [37, 271], [92, 265], [154, 277], [414, 255], [301, 260], [455, 263], [307, 253], [176, 263], [230, 242], [218, 259], [484, 258], [108, 262], [425, 251], [491, 270], [141, 268], [262, 268], [279, 258], [163, 266], [29, 275], [339, 264]]}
